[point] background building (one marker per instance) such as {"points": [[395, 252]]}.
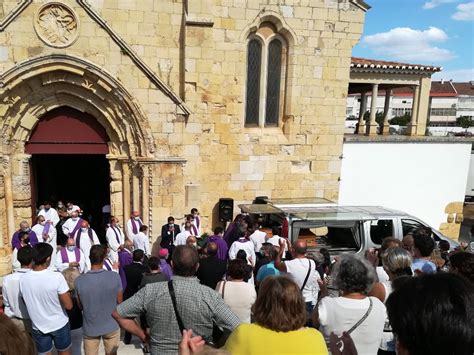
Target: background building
{"points": [[447, 101]]}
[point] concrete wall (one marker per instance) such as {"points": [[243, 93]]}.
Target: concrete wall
{"points": [[418, 178], [470, 178]]}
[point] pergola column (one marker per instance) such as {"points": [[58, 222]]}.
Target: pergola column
{"points": [[362, 109], [386, 112], [414, 112], [372, 127]]}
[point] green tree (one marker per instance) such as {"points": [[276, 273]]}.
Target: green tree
{"points": [[378, 117], [401, 120], [465, 122]]}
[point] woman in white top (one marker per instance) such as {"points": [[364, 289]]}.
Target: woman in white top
{"points": [[353, 312], [237, 294], [396, 263]]}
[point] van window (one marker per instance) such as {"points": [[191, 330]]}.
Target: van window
{"points": [[410, 225], [381, 229], [335, 238]]}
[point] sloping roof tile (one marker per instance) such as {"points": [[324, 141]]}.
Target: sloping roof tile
{"points": [[364, 63]]}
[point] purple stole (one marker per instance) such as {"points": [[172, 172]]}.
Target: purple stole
{"points": [[16, 239], [222, 248], [65, 257], [243, 240], [134, 225], [78, 237], [194, 230], [198, 222], [46, 228], [77, 227], [229, 234], [165, 269], [116, 234], [125, 258], [107, 265]]}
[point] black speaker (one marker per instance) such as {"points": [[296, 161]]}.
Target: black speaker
{"points": [[226, 209]]}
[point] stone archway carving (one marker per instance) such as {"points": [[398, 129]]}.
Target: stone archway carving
{"points": [[36, 86], [39, 85]]}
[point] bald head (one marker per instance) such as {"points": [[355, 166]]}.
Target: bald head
{"points": [[84, 224], [70, 242], [128, 244], [300, 247], [212, 249], [135, 214], [191, 240]]}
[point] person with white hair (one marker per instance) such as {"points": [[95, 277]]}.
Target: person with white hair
{"points": [[353, 312]]}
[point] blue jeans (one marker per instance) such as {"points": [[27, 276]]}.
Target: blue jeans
{"points": [[61, 339]]}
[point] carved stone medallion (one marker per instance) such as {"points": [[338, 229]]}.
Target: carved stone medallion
{"points": [[56, 24]]}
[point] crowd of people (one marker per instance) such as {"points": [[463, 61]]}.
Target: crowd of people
{"points": [[244, 290]]}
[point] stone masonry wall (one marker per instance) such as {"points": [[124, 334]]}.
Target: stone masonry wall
{"points": [[198, 48]]}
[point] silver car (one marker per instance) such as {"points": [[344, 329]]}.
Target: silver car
{"points": [[338, 228]]}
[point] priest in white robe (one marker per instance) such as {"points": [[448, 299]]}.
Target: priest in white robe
{"points": [[45, 231], [196, 221], [50, 214], [183, 236], [70, 256], [133, 225], [70, 208], [85, 238], [115, 238], [72, 225]]}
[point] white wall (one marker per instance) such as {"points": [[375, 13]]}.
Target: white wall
{"points": [[470, 178], [417, 178]]}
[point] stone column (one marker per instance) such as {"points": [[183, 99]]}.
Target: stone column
{"points": [[145, 195], [126, 190], [411, 131], [9, 209], [386, 112], [372, 127], [362, 109], [136, 189]]}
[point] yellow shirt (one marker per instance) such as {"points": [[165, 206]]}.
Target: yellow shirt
{"points": [[253, 339]]}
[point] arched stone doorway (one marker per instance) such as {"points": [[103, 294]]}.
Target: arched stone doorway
{"points": [[68, 163], [33, 90]]}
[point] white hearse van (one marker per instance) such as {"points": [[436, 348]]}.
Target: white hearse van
{"points": [[337, 228]]}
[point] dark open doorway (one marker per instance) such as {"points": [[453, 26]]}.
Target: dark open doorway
{"points": [[68, 149], [81, 179]]}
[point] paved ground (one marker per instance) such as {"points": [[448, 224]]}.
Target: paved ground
{"points": [[132, 349]]}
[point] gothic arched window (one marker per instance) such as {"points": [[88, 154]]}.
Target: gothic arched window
{"points": [[265, 87], [254, 64]]}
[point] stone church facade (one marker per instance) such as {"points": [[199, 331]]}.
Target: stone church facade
{"points": [[199, 99]]}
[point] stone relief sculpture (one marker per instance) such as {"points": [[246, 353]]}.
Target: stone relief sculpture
{"points": [[56, 25]]}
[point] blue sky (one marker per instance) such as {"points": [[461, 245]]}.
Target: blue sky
{"points": [[436, 32]]}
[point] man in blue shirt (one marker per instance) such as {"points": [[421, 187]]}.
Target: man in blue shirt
{"points": [[423, 247], [99, 291], [268, 269]]}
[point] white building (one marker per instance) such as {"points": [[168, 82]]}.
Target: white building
{"points": [[448, 100]]}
